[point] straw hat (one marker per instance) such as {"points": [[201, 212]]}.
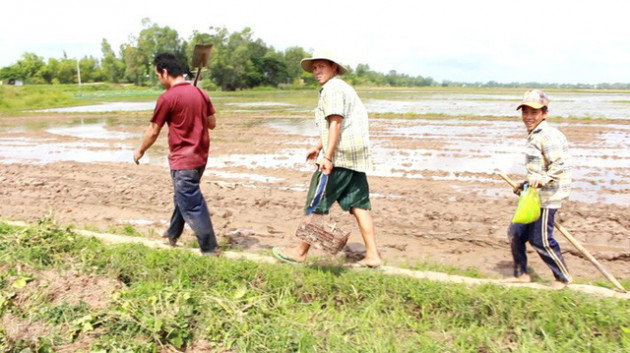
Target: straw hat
{"points": [[307, 63]]}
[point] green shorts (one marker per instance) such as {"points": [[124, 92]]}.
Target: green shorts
{"points": [[348, 187]]}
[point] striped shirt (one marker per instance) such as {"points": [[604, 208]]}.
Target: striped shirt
{"points": [[548, 164], [336, 97]]}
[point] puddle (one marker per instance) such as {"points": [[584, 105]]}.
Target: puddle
{"points": [[21, 150], [298, 127], [577, 194], [260, 105], [103, 108], [91, 131]]}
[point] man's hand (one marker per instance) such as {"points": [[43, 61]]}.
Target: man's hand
{"points": [[312, 154], [150, 136], [137, 156], [326, 166]]}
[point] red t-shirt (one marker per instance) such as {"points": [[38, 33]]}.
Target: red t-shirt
{"points": [[184, 108]]}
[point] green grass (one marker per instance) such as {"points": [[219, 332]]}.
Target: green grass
{"points": [[174, 298], [32, 97], [451, 270]]}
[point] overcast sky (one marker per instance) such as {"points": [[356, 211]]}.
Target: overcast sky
{"points": [[458, 40]]}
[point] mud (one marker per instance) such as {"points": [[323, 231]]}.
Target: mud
{"points": [[450, 209]]}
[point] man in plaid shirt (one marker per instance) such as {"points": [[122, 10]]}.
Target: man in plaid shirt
{"points": [[548, 170], [344, 155]]}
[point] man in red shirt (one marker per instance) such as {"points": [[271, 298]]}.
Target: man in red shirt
{"points": [[189, 113]]}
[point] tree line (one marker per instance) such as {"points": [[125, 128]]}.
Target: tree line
{"points": [[526, 85], [238, 61]]}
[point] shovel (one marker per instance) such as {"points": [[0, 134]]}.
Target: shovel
{"points": [[578, 246], [200, 59]]}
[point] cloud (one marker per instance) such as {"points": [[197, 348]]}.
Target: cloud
{"points": [[553, 41]]}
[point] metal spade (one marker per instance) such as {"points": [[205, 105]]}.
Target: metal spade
{"points": [[200, 59]]}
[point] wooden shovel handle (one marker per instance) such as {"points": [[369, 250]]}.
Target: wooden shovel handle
{"points": [[197, 75]]}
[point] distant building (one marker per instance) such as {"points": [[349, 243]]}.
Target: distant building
{"points": [[13, 81]]}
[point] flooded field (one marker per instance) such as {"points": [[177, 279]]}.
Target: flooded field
{"points": [[436, 193], [448, 149], [452, 103]]}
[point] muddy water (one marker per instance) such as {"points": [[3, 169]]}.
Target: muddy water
{"points": [[41, 151], [103, 108], [564, 104], [477, 151], [583, 105], [449, 149]]}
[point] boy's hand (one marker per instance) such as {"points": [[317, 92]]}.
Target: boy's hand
{"points": [[518, 188]]}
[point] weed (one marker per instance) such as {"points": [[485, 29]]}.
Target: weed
{"points": [[174, 298]]}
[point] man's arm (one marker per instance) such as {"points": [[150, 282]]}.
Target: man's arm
{"points": [[212, 121], [334, 132], [150, 136]]}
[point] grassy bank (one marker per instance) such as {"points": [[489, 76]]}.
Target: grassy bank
{"points": [[31, 97], [159, 300], [21, 99]]}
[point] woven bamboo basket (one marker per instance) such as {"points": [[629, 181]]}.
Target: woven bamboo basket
{"points": [[320, 233]]}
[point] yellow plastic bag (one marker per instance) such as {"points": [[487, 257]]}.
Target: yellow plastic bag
{"points": [[528, 209]]}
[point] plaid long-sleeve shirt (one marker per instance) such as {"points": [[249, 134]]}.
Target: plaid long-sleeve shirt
{"points": [[548, 164]]}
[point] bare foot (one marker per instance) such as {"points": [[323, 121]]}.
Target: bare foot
{"points": [[559, 285], [371, 263], [524, 278], [169, 241]]}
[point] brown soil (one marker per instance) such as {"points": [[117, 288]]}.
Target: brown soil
{"points": [[57, 288], [417, 220], [18, 329]]}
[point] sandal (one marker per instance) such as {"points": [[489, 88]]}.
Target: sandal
{"points": [[279, 256]]}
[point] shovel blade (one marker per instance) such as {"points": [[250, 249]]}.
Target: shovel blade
{"points": [[201, 55]]}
